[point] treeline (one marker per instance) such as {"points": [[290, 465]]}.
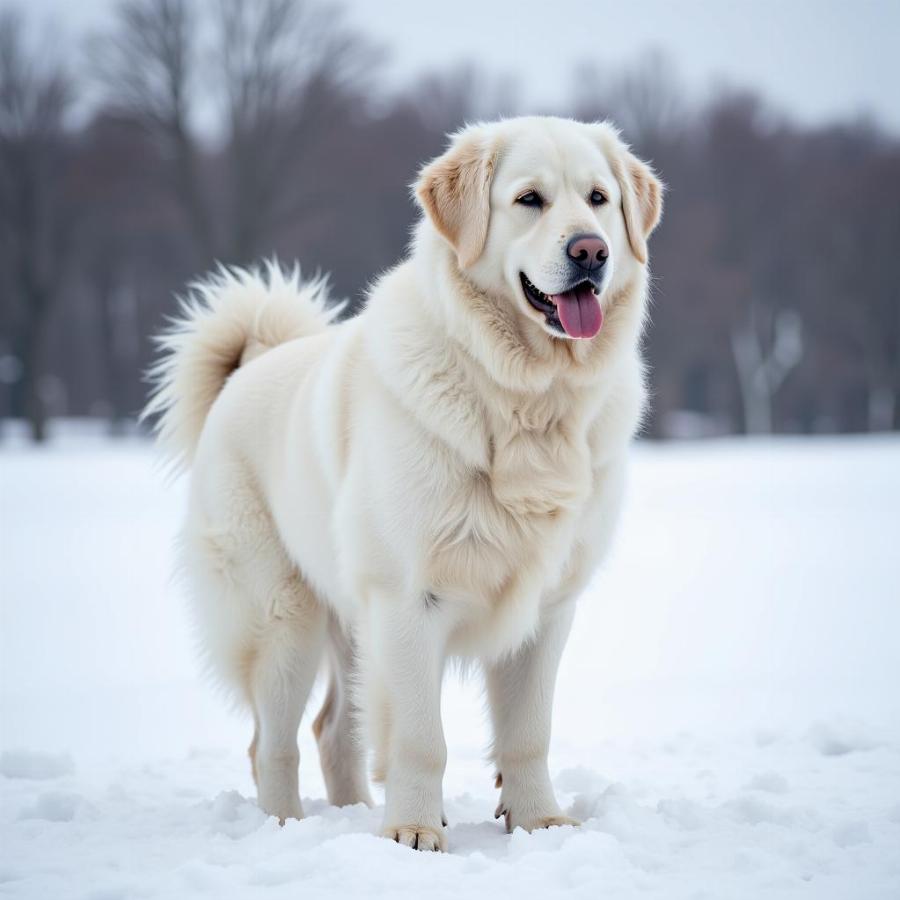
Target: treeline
{"points": [[193, 132]]}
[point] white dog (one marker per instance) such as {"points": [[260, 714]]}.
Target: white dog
{"points": [[438, 476]]}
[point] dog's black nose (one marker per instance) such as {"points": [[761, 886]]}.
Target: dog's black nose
{"points": [[588, 251]]}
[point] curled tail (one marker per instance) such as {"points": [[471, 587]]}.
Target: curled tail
{"points": [[227, 319]]}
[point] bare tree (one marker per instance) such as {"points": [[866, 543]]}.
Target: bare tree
{"points": [[117, 189], [447, 100], [864, 254], [767, 345], [35, 218], [243, 85], [149, 66], [284, 66], [645, 99]]}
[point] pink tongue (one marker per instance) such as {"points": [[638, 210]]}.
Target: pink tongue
{"points": [[579, 311]]}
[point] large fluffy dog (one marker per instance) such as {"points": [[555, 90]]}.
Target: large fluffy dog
{"points": [[436, 477]]}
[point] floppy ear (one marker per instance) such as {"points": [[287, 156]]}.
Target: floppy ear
{"points": [[642, 191], [641, 200], [454, 190]]}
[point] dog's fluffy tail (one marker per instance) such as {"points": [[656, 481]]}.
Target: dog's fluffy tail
{"points": [[225, 320]]}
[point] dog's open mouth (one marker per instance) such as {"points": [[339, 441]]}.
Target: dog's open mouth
{"points": [[575, 312]]}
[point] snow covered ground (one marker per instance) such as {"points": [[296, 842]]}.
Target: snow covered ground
{"points": [[727, 724]]}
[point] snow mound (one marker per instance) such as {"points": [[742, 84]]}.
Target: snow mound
{"points": [[770, 782], [36, 766], [57, 806], [840, 738]]}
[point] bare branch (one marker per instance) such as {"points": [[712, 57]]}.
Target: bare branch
{"points": [[148, 67]]}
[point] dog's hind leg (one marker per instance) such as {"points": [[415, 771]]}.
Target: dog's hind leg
{"points": [[341, 748], [280, 674], [262, 627]]}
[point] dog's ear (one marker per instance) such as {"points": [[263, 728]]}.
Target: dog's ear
{"points": [[642, 204], [454, 190], [642, 191]]}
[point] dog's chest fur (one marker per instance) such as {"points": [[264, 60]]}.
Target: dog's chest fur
{"points": [[505, 533]]}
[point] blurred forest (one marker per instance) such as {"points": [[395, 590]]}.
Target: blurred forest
{"points": [[189, 132]]}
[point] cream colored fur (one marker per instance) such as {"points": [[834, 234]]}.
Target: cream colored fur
{"points": [[437, 477]]}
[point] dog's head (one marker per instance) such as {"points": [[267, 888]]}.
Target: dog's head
{"points": [[550, 214]]}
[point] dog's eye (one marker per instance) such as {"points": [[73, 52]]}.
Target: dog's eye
{"points": [[597, 198], [531, 198]]}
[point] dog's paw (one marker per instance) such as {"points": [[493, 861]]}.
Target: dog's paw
{"points": [[548, 822], [532, 822], [418, 837], [283, 809]]}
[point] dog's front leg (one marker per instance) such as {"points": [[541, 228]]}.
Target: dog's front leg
{"points": [[406, 658], [520, 690]]}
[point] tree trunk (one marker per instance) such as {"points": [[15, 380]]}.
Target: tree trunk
{"points": [[762, 369], [882, 407], [757, 405], [190, 196], [34, 408], [755, 394], [103, 280]]}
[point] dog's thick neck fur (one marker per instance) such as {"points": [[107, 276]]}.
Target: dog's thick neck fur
{"points": [[434, 355]]}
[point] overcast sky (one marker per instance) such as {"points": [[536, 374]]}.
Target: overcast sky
{"points": [[817, 59]]}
